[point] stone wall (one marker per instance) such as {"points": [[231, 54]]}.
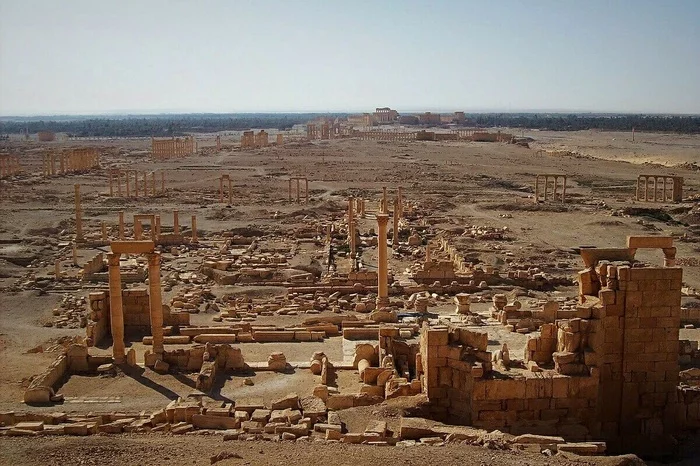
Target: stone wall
{"points": [[73, 360], [137, 316]]}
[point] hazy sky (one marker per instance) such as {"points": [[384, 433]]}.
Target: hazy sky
{"points": [[99, 56]]}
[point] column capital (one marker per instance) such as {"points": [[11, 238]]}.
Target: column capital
{"points": [[154, 259], [113, 258]]}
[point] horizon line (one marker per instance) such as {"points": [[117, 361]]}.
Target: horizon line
{"points": [[116, 113]]}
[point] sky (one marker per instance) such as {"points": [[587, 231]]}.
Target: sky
{"points": [[136, 56]]}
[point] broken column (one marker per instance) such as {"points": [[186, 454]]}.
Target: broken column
{"points": [[194, 228], [382, 262], [462, 301]]}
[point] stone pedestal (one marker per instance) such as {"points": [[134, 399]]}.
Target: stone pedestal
{"points": [[462, 301]]}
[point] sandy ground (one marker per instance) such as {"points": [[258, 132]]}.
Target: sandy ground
{"points": [[469, 184]]}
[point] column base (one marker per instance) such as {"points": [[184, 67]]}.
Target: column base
{"points": [[382, 302]]}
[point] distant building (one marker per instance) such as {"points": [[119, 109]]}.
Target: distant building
{"points": [[385, 115], [46, 136], [429, 118], [409, 120], [364, 119]]}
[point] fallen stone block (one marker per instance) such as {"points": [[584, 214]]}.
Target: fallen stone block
{"points": [[582, 448], [290, 401], [206, 421], [337, 402], [35, 426]]}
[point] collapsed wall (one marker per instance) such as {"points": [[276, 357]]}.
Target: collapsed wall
{"points": [[611, 373]]}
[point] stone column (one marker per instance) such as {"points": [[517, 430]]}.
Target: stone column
{"points": [[546, 186], [104, 231], [119, 183], [176, 222], [78, 215], [385, 205], [298, 190], [669, 257], [121, 225], [400, 202], [157, 226], [162, 182], [230, 192], [306, 181], [128, 183], [537, 189], [111, 187], [563, 191], [663, 189], [153, 176], [116, 311], [57, 269], [145, 184], [427, 253], [290, 190], [351, 231], [382, 262], [221, 189], [136, 183], [395, 237], [194, 228], [556, 185], [155, 301], [137, 229]]}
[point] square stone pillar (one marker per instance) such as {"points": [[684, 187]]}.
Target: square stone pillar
{"points": [[194, 229], [116, 311], [382, 262], [155, 301]]}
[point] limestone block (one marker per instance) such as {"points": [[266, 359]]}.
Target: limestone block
{"points": [[35, 426], [313, 407], [277, 361], [338, 402], [206, 421], [298, 430], [321, 391], [290, 401], [413, 428], [253, 427], [261, 415]]}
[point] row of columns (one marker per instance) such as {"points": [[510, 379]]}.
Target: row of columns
{"points": [[116, 174], [9, 165], [556, 179], [75, 160], [174, 147], [299, 179], [674, 194]]}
